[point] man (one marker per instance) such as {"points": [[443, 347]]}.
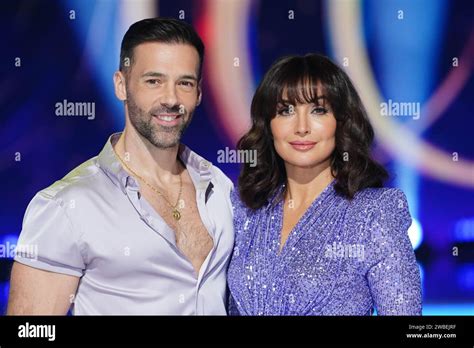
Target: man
{"points": [[146, 226]]}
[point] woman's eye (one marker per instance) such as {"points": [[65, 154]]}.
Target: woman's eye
{"points": [[319, 110], [286, 111]]}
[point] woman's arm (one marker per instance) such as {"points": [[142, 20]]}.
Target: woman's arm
{"points": [[393, 274]]}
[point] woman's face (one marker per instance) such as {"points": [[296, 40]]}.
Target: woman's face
{"points": [[304, 134]]}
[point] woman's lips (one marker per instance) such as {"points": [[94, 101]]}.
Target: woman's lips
{"points": [[303, 145]]}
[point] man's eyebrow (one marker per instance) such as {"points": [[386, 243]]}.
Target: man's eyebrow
{"points": [[188, 77], [153, 74], [158, 74]]}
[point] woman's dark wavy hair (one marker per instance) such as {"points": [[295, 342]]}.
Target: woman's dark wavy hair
{"points": [[301, 77]]}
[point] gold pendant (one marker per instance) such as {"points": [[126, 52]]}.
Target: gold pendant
{"points": [[176, 214]]}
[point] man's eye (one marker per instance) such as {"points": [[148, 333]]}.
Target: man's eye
{"points": [[153, 82], [187, 83]]}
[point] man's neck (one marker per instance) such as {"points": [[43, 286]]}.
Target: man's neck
{"points": [[159, 166]]}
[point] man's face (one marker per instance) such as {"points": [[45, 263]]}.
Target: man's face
{"points": [[162, 91]]}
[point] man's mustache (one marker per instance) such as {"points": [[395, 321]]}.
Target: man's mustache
{"points": [[177, 109]]}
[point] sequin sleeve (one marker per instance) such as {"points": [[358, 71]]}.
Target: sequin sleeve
{"points": [[393, 274], [232, 307]]}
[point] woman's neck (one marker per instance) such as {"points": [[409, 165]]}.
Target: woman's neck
{"points": [[305, 184]]}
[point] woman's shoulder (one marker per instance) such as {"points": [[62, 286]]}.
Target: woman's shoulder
{"points": [[238, 206], [243, 215], [388, 205], [235, 199], [383, 197], [386, 208]]}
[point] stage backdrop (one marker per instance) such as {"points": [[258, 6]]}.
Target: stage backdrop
{"points": [[411, 61]]}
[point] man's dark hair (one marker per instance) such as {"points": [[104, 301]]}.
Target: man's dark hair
{"points": [[166, 30]]}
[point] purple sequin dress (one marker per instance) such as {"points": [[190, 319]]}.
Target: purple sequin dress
{"points": [[342, 258]]}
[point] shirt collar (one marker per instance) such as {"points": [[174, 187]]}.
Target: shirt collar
{"points": [[198, 168]]}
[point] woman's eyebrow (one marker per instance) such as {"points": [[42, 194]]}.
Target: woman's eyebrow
{"points": [[288, 102]]}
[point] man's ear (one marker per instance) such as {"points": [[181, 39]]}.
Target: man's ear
{"points": [[119, 84], [199, 95]]}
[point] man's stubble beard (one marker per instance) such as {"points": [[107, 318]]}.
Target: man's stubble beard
{"points": [[160, 136]]}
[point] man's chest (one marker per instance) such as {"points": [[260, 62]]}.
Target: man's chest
{"points": [[192, 237], [133, 233]]}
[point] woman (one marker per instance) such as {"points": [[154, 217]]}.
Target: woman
{"points": [[315, 231]]}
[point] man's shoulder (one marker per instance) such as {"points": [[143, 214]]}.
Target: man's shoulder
{"points": [[85, 177]]}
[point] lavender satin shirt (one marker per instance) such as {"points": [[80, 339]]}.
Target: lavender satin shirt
{"points": [[94, 224], [342, 258]]}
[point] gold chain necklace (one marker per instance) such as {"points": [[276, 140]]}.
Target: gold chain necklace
{"points": [[175, 212]]}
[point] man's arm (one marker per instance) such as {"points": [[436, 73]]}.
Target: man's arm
{"points": [[37, 292]]}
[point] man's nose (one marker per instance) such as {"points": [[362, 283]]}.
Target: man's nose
{"points": [[168, 98]]}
